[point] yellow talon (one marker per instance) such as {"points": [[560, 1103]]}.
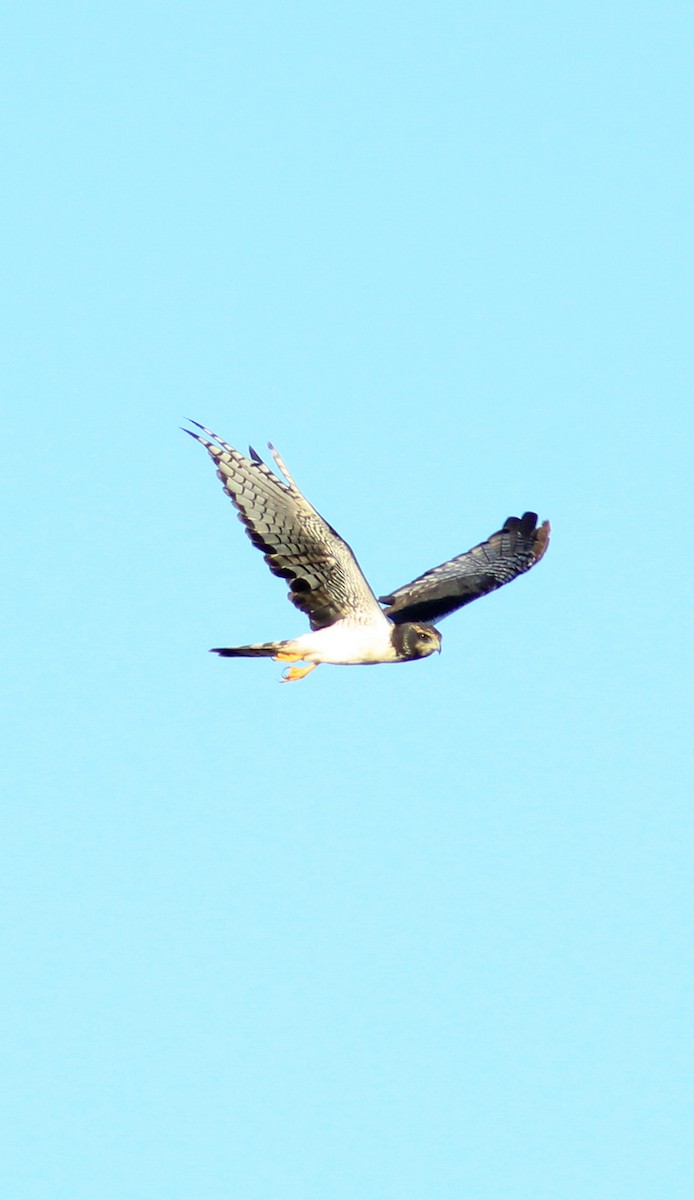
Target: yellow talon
{"points": [[286, 656], [292, 674]]}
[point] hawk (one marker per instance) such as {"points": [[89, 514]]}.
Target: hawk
{"points": [[349, 625]]}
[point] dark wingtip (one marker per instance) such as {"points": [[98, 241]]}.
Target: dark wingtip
{"points": [[524, 524], [527, 526], [255, 457], [190, 432]]}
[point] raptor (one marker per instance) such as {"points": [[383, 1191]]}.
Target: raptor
{"points": [[349, 625]]}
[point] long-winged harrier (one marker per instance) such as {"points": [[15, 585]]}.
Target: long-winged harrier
{"points": [[348, 624]]}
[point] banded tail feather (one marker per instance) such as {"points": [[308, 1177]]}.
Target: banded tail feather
{"points": [[258, 650]]}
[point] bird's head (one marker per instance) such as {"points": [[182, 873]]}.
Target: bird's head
{"points": [[415, 640]]}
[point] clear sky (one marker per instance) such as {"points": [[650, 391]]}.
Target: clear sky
{"points": [[408, 933]]}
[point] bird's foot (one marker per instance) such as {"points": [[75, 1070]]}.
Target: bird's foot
{"points": [[292, 674]]}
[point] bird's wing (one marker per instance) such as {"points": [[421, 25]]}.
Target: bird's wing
{"points": [[509, 552], [325, 580]]}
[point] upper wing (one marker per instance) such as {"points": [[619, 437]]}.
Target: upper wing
{"points": [[325, 579], [509, 552]]}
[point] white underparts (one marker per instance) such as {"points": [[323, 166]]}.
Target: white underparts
{"points": [[346, 643]]}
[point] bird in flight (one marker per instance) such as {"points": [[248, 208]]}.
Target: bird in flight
{"points": [[349, 625]]}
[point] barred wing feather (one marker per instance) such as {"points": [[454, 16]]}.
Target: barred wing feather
{"points": [[325, 580], [515, 548]]}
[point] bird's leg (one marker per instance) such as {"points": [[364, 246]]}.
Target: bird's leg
{"points": [[292, 674]]}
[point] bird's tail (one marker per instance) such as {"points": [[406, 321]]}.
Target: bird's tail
{"points": [[258, 650]]}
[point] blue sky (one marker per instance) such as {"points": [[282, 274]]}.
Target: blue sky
{"points": [[409, 933]]}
